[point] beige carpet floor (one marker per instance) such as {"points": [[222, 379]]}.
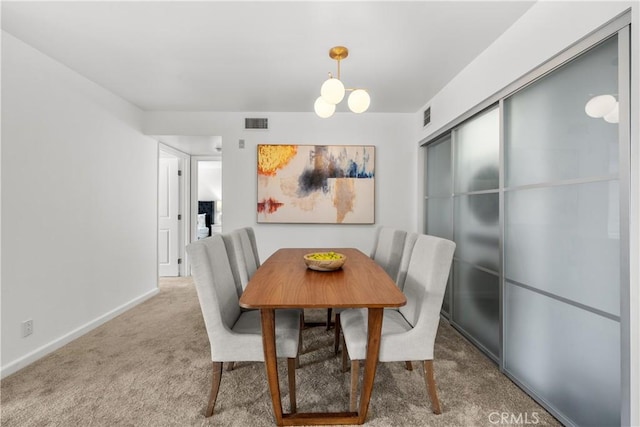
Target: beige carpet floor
{"points": [[150, 367]]}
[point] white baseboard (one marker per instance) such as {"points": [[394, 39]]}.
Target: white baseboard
{"points": [[42, 351]]}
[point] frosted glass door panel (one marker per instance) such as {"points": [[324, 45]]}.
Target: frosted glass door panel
{"points": [[477, 148], [568, 356], [476, 304], [565, 240], [439, 218], [548, 135], [477, 233], [439, 168], [439, 205]]}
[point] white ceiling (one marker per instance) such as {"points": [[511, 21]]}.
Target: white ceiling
{"points": [[262, 56]]}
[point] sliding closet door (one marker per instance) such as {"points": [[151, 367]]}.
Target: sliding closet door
{"points": [[476, 266], [439, 204], [562, 240], [462, 204]]}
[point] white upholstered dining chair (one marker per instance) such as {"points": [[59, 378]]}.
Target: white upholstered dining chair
{"points": [[243, 255], [235, 335], [388, 248], [242, 249], [408, 333]]}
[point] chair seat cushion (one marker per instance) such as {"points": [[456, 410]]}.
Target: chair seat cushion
{"points": [[354, 327], [249, 325]]}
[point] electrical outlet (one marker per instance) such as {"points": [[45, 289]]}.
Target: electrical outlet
{"points": [[27, 328], [241, 143]]}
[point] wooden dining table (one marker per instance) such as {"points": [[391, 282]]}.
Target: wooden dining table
{"points": [[284, 281]]}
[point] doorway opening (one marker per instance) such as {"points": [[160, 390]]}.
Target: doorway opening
{"points": [[189, 197], [207, 195]]}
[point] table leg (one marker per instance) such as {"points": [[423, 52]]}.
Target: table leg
{"points": [[271, 365], [371, 362], [270, 359]]}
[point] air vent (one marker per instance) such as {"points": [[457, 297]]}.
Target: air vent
{"points": [[427, 117], [256, 123]]}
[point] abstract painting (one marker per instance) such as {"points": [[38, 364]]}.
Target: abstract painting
{"points": [[329, 184]]}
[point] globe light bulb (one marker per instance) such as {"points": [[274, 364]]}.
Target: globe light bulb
{"points": [[600, 106], [359, 101], [332, 91], [323, 108]]}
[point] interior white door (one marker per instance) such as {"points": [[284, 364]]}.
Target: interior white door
{"points": [[168, 199]]}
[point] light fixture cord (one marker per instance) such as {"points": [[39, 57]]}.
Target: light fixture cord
{"points": [[338, 69]]}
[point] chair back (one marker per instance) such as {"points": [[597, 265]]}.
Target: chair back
{"points": [[254, 246], [409, 243], [243, 256], [215, 286], [387, 250], [425, 283]]}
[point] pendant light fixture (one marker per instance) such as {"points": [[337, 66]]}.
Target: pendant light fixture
{"points": [[332, 90]]}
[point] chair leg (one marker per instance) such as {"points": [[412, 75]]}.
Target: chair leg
{"points": [[408, 365], [300, 340], [431, 386], [353, 395], [329, 311], [336, 339], [345, 355], [230, 366], [215, 386], [291, 370]]}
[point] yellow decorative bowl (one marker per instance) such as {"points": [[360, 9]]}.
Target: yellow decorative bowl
{"points": [[324, 261]]}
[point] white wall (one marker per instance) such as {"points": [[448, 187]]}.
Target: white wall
{"points": [[546, 29], [395, 168], [79, 208], [209, 180]]}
